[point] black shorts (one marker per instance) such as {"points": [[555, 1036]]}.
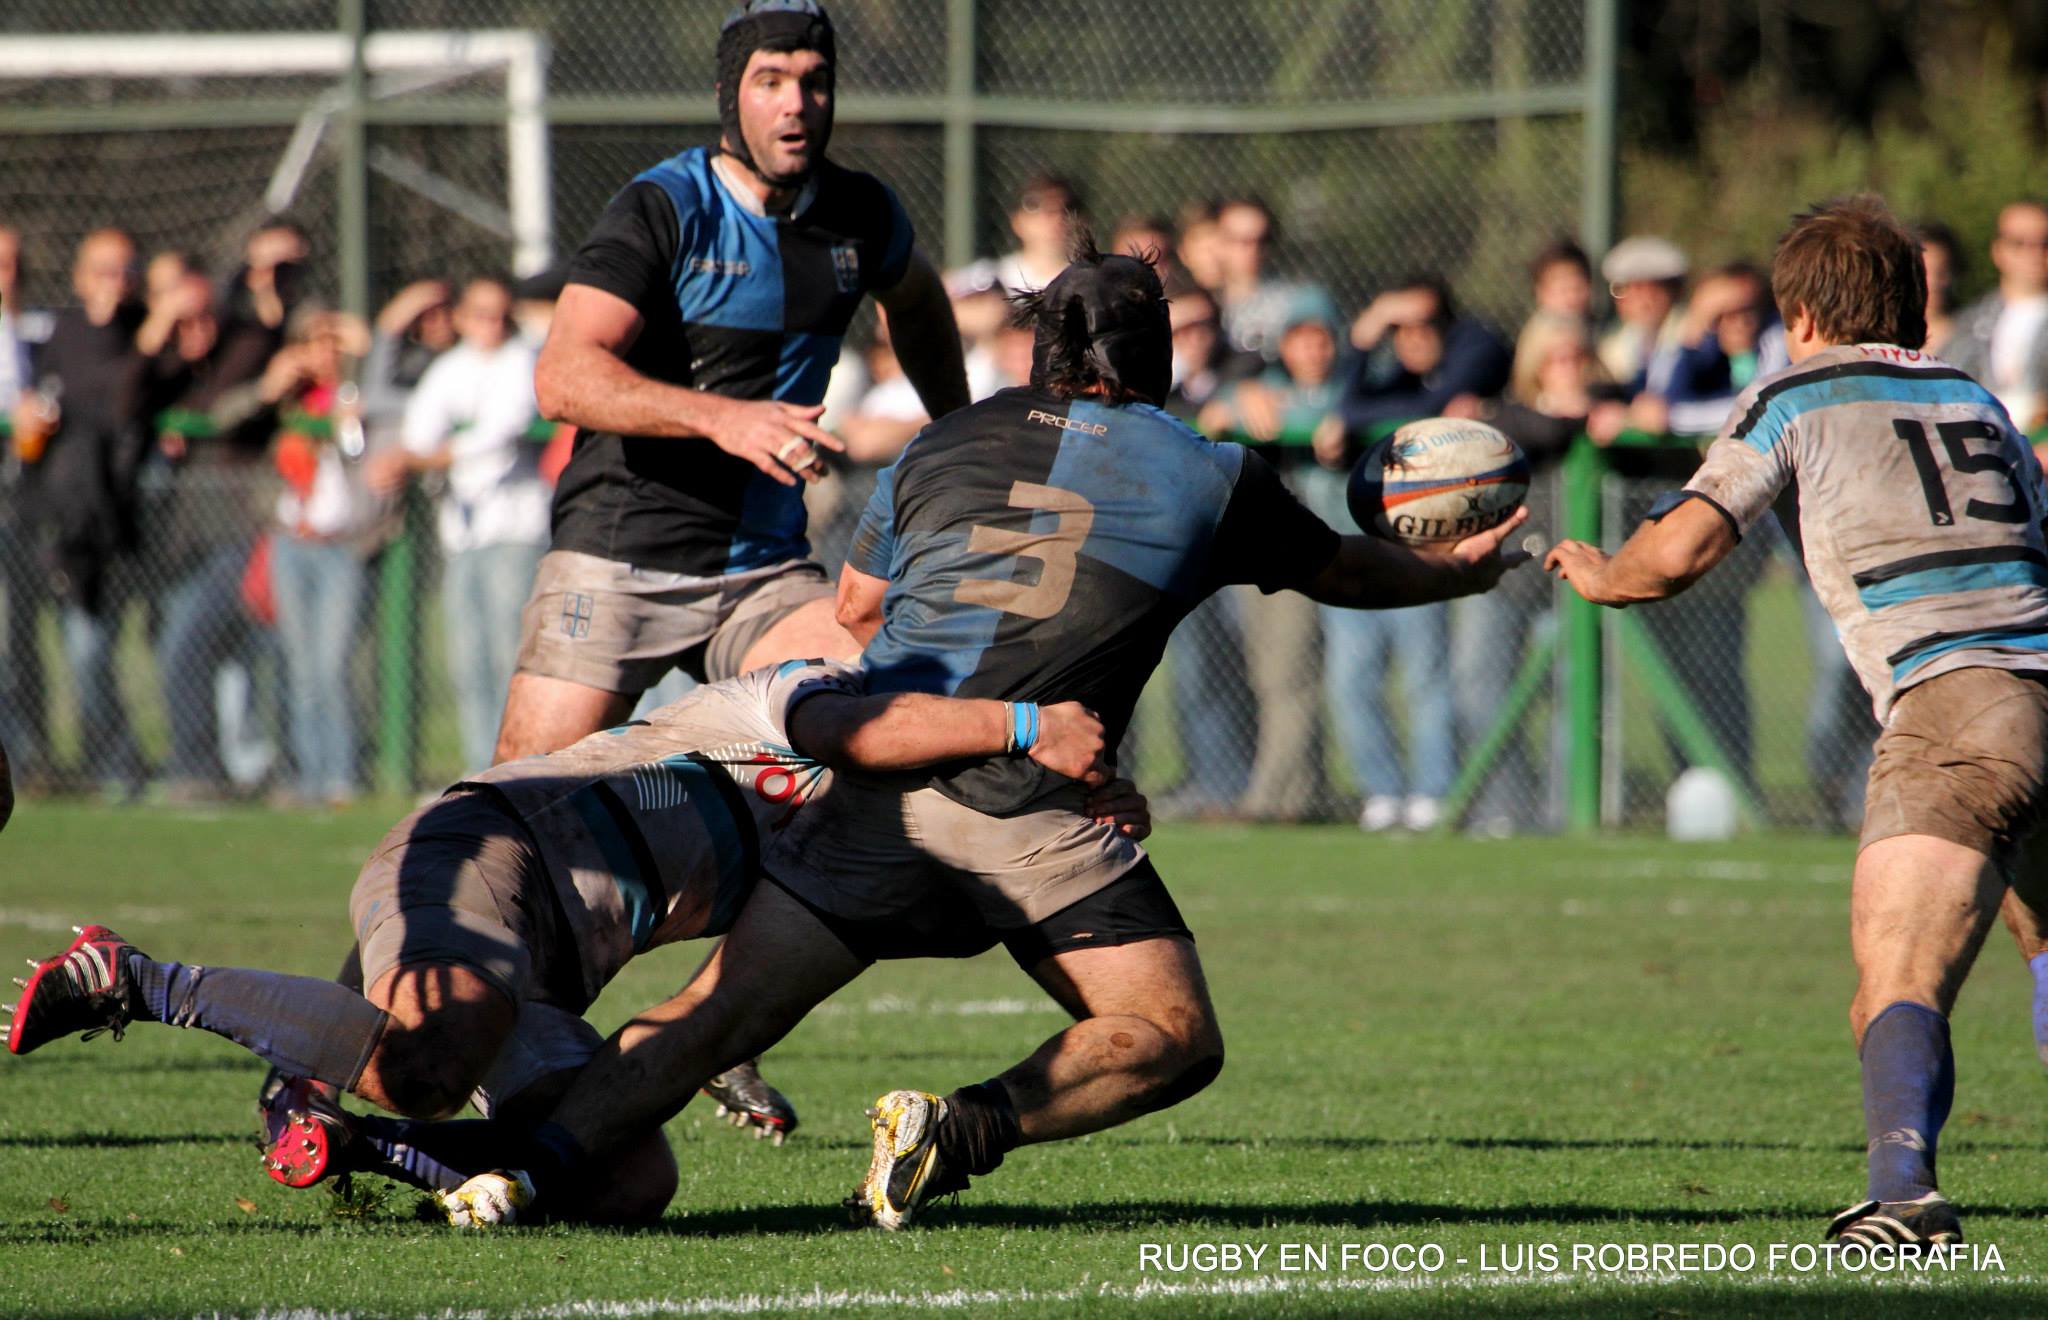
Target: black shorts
{"points": [[1131, 908]]}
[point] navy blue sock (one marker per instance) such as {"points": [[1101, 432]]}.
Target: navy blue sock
{"points": [[2038, 965], [1909, 1082], [437, 1157], [306, 1026]]}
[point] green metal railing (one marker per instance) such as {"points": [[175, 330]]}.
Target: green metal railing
{"points": [[1580, 648]]}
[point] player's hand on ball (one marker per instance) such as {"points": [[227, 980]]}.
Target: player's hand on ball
{"points": [[1070, 742], [781, 439], [1485, 555], [1119, 803]]}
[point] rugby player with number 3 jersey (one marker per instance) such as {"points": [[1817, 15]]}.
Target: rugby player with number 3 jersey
{"points": [[491, 918], [1050, 535], [1919, 514]]}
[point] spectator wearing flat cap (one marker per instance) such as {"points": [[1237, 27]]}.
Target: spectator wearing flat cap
{"points": [[1646, 278]]}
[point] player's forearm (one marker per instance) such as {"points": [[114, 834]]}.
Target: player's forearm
{"points": [[1662, 559], [927, 340], [1633, 579], [1372, 573], [590, 387], [1654, 565], [900, 731]]}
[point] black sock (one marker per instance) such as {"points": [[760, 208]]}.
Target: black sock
{"points": [[551, 1156], [980, 1128], [436, 1156]]}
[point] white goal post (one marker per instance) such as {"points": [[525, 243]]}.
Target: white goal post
{"points": [[400, 62]]}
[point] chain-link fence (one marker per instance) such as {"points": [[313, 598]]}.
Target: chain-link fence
{"points": [[467, 136]]}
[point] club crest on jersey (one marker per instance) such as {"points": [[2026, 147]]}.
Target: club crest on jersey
{"points": [[846, 267]]}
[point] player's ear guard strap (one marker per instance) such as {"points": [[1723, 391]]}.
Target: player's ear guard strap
{"points": [[1671, 499]]}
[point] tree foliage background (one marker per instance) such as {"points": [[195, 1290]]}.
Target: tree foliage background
{"points": [[1735, 115]]}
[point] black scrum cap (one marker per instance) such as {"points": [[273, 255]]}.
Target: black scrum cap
{"points": [[767, 25]]}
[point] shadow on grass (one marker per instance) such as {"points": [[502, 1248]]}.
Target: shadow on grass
{"points": [[1112, 1215], [1101, 1216], [125, 1140], [1951, 1141]]}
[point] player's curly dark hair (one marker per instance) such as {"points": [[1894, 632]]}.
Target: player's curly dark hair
{"points": [[1069, 360]]}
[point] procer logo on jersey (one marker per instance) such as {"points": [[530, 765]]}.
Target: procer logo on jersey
{"points": [[1066, 423], [720, 266], [846, 267]]}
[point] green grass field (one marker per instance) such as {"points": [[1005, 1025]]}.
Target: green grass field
{"points": [[1478, 1048]]}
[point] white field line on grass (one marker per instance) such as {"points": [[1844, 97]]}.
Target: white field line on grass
{"points": [[1672, 868], [1150, 1290], [887, 1005], [37, 919]]}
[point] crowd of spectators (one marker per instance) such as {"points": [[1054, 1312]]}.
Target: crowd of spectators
{"points": [[226, 456]]}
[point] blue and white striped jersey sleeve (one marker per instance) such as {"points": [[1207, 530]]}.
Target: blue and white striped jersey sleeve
{"points": [[1751, 461]]}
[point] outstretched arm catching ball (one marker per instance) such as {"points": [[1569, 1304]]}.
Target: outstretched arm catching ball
{"points": [[1662, 559], [1373, 573]]}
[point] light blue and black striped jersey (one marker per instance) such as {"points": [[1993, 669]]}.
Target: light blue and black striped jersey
{"points": [[652, 832], [1039, 548], [1920, 509], [736, 302]]}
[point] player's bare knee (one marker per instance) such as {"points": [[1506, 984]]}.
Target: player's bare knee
{"points": [[416, 1073], [445, 1025], [1190, 1057]]}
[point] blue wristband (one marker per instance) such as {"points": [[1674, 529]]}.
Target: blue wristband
{"points": [[1023, 725]]}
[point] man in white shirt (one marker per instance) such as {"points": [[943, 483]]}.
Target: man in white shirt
{"points": [[1998, 339], [1047, 210], [470, 418]]}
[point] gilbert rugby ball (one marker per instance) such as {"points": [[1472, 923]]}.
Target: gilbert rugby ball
{"points": [[1438, 481]]}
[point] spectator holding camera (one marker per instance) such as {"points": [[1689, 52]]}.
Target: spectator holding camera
{"points": [[1415, 354], [1730, 336]]}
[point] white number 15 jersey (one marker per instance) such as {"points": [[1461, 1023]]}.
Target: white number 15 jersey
{"points": [[1920, 509]]}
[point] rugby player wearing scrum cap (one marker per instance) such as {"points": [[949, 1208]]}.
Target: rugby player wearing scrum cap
{"points": [[691, 346]]}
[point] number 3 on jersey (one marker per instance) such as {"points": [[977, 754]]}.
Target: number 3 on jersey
{"points": [[1054, 550], [1955, 441]]}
